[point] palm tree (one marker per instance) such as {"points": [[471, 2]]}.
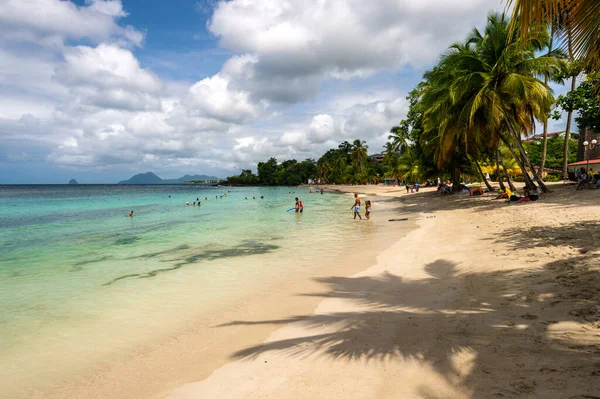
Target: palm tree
{"points": [[398, 136], [485, 91], [358, 153], [558, 53], [389, 152], [323, 170], [581, 16]]}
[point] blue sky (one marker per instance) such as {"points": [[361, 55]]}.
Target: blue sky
{"points": [[99, 90]]}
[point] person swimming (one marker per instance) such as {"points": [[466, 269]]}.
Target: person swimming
{"points": [[194, 204], [205, 199], [131, 214], [187, 204]]}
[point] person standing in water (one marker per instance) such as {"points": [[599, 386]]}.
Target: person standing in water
{"points": [[131, 214], [356, 207], [368, 209], [299, 206]]}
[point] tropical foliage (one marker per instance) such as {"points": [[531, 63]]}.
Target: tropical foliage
{"points": [[468, 117], [580, 20], [272, 173]]}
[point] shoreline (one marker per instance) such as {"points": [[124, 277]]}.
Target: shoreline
{"points": [[194, 352], [479, 301]]}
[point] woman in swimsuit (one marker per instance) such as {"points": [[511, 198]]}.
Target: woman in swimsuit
{"points": [[368, 209]]}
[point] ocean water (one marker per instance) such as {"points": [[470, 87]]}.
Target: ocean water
{"points": [[82, 283]]}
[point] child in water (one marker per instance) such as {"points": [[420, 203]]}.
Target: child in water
{"points": [[368, 209]]}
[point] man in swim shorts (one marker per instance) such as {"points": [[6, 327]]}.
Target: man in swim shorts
{"points": [[356, 207]]}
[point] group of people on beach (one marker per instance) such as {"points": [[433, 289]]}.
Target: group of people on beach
{"points": [[584, 178], [356, 208]]}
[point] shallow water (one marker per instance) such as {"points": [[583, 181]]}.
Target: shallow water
{"points": [[82, 283]]}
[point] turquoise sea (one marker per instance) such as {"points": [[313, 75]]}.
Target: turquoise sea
{"points": [[81, 282]]}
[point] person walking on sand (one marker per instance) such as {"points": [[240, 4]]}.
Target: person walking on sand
{"points": [[356, 207]]}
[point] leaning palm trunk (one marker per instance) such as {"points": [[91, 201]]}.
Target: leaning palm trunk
{"points": [[508, 179], [521, 163], [487, 183], [527, 162], [498, 176]]}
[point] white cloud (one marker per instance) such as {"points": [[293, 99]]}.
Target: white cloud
{"points": [[56, 18], [321, 128], [71, 83], [302, 43], [108, 76], [212, 97]]}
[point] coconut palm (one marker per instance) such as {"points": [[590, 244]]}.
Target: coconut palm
{"points": [[579, 31], [323, 170], [582, 17], [485, 91], [398, 136], [358, 154]]}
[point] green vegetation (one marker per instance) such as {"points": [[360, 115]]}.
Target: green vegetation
{"points": [[271, 173], [466, 118]]}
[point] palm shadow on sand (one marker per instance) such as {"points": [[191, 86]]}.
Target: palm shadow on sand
{"points": [[502, 317]]}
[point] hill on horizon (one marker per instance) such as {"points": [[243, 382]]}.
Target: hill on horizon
{"points": [[151, 178]]}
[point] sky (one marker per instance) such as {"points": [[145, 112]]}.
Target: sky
{"points": [[99, 90]]}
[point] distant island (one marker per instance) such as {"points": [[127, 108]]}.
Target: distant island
{"points": [[73, 181], [151, 178]]}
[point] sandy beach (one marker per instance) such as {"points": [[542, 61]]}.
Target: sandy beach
{"points": [[484, 299]]}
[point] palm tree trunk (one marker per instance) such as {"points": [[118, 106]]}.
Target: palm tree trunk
{"points": [[569, 113], [487, 183], [499, 178], [545, 138], [508, 179], [521, 163], [456, 179], [527, 162]]}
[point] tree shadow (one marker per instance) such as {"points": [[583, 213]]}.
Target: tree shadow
{"points": [[505, 318], [562, 196], [246, 248], [583, 236]]}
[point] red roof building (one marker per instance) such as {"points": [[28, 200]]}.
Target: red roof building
{"points": [[540, 136], [583, 163]]}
